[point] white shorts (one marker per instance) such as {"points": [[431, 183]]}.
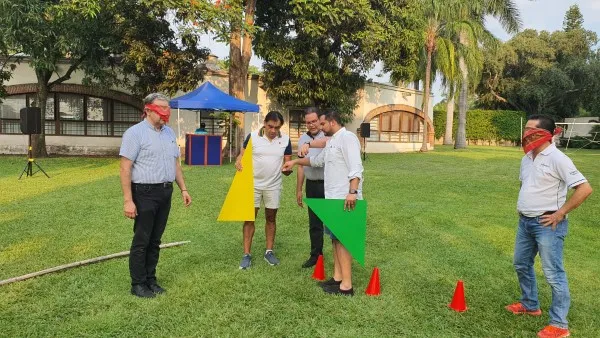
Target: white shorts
{"points": [[269, 197]]}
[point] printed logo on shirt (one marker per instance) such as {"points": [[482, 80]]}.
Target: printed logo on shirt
{"points": [[574, 173]]}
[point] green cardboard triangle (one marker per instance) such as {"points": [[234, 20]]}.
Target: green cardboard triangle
{"points": [[350, 227]]}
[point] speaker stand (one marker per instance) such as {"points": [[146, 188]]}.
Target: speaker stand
{"points": [[364, 149], [30, 162]]}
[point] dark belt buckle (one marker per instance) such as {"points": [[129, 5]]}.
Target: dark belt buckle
{"points": [[167, 184]]}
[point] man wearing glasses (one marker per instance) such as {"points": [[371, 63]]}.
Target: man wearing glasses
{"points": [[314, 184]]}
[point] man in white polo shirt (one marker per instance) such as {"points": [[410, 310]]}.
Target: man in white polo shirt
{"points": [[546, 175], [270, 149]]}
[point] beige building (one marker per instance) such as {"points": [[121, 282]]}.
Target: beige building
{"points": [[82, 120]]}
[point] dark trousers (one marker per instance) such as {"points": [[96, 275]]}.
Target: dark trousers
{"points": [[153, 203], [315, 189]]}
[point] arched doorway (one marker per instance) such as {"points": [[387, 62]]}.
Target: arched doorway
{"points": [[398, 123]]}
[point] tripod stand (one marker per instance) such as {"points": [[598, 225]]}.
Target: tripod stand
{"points": [[30, 162]]}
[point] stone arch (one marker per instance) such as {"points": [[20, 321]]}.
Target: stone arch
{"points": [[31, 88], [402, 107]]}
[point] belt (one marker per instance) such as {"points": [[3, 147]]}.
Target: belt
{"points": [[161, 185], [545, 213], [317, 181]]}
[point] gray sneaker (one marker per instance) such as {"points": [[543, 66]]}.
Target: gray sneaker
{"points": [[270, 258], [246, 262]]}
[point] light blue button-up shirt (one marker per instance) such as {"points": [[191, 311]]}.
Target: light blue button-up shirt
{"points": [[153, 153]]}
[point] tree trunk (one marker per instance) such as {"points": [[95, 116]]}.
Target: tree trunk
{"points": [[426, 93], [461, 132], [240, 52], [38, 141], [449, 118]]}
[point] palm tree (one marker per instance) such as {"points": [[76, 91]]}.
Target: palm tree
{"points": [[472, 35], [439, 16]]}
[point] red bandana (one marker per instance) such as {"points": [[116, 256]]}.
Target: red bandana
{"points": [[163, 113], [534, 138]]}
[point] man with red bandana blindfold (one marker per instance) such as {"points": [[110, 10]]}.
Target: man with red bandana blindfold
{"points": [[149, 165], [546, 175]]}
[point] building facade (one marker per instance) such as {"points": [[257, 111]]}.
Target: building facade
{"points": [[83, 120]]}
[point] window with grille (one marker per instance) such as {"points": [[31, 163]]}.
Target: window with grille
{"points": [[71, 114], [396, 126]]}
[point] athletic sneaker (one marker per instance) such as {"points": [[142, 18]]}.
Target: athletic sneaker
{"points": [[329, 282], [246, 262], [519, 309], [270, 258], [553, 332]]}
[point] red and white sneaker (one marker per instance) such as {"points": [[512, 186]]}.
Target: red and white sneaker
{"points": [[553, 332], [519, 309]]}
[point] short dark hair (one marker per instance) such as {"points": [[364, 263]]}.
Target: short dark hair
{"points": [[202, 125], [274, 116], [311, 110], [331, 115], [544, 122]]}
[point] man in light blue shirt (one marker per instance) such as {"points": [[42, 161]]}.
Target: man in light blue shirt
{"points": [[314, 184], [149, 165]]}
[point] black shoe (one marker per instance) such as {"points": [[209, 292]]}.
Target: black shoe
{"points": [[142, 291], [330, 282], [155, 288], [335, 290], [311, 261]]}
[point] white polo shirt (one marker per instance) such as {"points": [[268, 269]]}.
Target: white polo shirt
{"points": [[341, 159], [267, 159], [545, 181]]}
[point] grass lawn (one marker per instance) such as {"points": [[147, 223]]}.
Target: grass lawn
{"points": [[433, 219]]}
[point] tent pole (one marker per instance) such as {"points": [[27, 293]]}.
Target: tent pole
{"points": [[178, 126], [230, 139]]}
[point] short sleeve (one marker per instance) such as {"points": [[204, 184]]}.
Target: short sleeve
{"points": [[130, 145], [568, 172], [288, 149], [246, 141]]}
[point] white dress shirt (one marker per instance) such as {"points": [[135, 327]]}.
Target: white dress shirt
{"points": [[341, 159]]}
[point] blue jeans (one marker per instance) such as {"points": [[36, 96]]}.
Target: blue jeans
{"points": [[533, 237]]}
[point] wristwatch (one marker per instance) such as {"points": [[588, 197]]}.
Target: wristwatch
{"points": [[353, 191]]}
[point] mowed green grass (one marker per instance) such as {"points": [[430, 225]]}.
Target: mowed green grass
{"points": [[433, 219]]}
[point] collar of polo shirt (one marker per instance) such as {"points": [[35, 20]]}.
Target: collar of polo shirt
{"points": [[261, 132]]}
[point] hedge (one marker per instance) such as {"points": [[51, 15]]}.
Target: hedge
{"points": [[488, 125]]}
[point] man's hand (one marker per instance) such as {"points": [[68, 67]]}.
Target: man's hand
{"points": [[303, 150], [187, 199], [299, 199], [238, 165], [552, 219], [129, 209], [350, 202], [288, 166]]}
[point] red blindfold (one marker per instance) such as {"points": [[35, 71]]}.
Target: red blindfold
{"points": [[534, 138], [163, 112]]}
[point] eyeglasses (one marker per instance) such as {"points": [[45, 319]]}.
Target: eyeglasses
{"points": [[312, 122]]}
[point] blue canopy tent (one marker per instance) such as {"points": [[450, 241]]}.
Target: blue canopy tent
{"points": [[209, 97]]}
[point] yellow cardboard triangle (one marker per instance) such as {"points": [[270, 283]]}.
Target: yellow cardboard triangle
{"points": [[239, 203]]}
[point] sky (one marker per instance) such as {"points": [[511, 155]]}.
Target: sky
{"points": [[535, 14]]}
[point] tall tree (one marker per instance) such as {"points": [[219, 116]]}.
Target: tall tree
{"points": [[108, 40], [475, 12], [440, 18], [573, 19], [318, 52], [234, 25]]}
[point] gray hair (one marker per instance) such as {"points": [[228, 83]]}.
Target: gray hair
{"points": [[155, 96]]}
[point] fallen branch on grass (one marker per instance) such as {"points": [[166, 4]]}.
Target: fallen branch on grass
{"points": [[80, 263]]}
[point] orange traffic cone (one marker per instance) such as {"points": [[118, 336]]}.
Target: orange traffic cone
{"points": [[319, 273], [459, 303], [374, 288]]}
